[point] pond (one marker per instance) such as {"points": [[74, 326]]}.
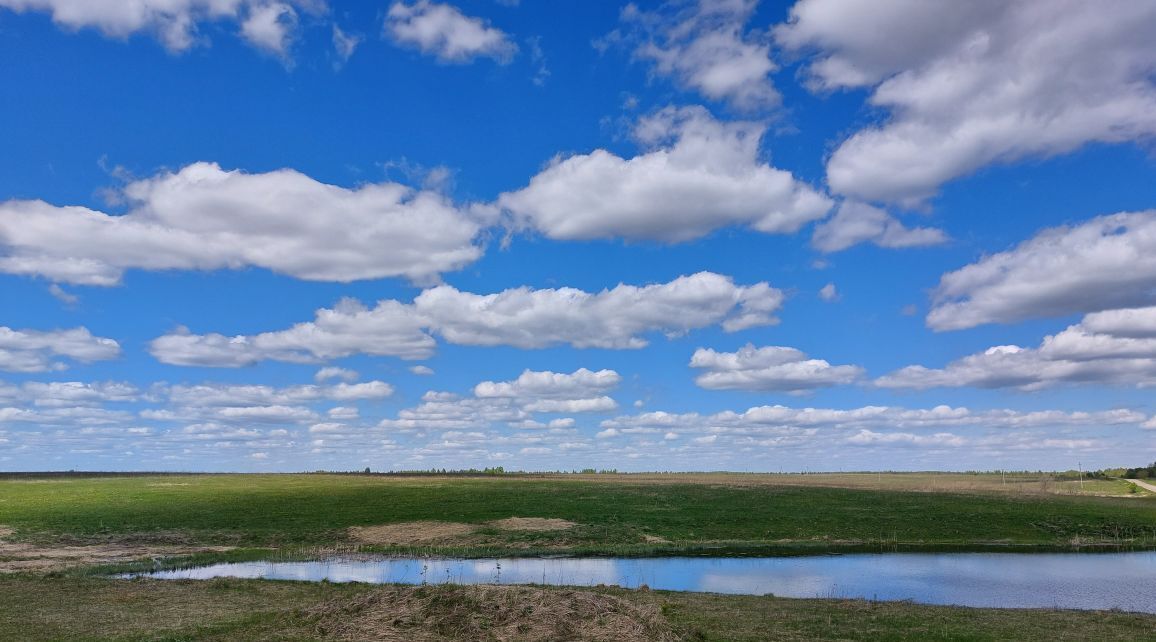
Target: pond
{"points": [[1039, 580]]}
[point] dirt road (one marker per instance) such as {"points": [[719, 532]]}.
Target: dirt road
{"points": [[1145, 485]]}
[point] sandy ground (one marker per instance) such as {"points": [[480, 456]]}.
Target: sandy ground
{"points": [[18, 557]]}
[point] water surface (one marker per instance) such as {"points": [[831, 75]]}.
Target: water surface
{"points": [[1124, 581]]}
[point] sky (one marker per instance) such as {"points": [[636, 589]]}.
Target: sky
{"points": [[287, 235]]}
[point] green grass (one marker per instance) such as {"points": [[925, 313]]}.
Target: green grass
{"points": [[614, 516], [39, 609]]}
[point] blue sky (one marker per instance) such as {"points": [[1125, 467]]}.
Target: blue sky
{"points": [[822, 235]]}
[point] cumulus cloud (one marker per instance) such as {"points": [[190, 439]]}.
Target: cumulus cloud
{"points": [[343, 374], [1116, 347], [762, 418], [39, 351], [697, 175], [514, 403], [240, 395], [443, 31], [389, 329], [618, 318], [706, 47], [829, 293], [1106, 263], [205, 218], [580, 391], [975, 83], [856, 223], [67, 394], [772, 368], [269, 25]]}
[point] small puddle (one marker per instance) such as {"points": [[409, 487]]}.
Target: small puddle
{"points": [[1041, 580]]}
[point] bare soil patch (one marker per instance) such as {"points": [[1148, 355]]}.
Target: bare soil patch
{"points": [[410, 533], [533, 524], [16, 558], [490, 613], [655, 539]]}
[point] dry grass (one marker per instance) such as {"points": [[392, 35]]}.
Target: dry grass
{"points": [[428, 533], [406, 533], [53, 608], [485, 613], [930, 482], [534, 524]]}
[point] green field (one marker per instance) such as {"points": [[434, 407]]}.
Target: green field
{"points": [[613, 515], [59, 534]]}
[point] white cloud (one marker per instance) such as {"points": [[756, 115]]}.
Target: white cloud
{"points": [[871, 438], [344, 374], [68, 394], [581, 383], [389, 329], [856, 223], [618, 318], [236, 395], [771, 368], [1116, 347], [829, 293], [269, 26], [344, 44], [443, 31], [970, 84], [1108, 262], [37, 351], [421, 370], [705, 46], [698, 175], [205, 218], [62, 295], [266, 24], [514, 402], [763, 418], [581, 391], [267, 414]]}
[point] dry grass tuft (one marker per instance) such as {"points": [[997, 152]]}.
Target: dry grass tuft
{"points": [[409, 533], [490, 613], [532, 524], [6, 531]]}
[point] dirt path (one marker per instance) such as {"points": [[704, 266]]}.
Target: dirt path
{"points": [[1145, 485]]}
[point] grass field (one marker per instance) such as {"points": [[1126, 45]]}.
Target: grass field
{"points": [[57, 534], [68, 608], [612, 514]]}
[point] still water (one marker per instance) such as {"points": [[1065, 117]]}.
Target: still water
{"points": [[1125, 581]]}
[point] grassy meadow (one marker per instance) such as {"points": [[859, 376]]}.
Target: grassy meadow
{"points": [[59, 536], [611, 514]]}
